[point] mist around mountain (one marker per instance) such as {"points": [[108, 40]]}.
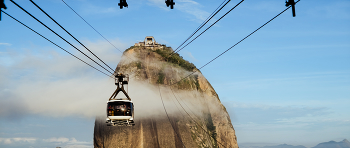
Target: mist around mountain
{"points": [[331, 144], [194, 116]]}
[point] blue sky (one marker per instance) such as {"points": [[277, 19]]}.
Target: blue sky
{"points": [[287, 83]]}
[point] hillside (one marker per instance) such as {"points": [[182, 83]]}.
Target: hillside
{"points": [[196, 116], [332, 144]]}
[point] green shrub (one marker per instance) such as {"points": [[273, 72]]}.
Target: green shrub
{"points": [[161, 77], [211, 128], [138, 65], [175, 58], [129, 49], [196, 82]]}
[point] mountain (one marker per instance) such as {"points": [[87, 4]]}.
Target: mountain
{"points": [[276, 146], [194, 115], [332, 144], [284, 146]]}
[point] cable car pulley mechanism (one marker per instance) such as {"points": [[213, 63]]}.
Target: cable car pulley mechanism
{"points": [[292, 3], [120, 111]]}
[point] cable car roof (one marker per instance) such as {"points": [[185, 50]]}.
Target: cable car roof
{"points": [[120, 100]]}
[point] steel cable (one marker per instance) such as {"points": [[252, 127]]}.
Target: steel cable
{"points": [[93, 27], [204, 23], [55, 44], [59, 35], [210, 26], [70, 34], [184, 116], [236, 43], [193, 118], [169, 118]]}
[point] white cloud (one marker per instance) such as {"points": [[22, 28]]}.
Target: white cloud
{"points": [[68, 143], [93, 9], [78, 146], [188, 6], [60, 140], [54, 84], [17, 140], [276, 81], [62, 86], [103, 48], [261, 113], [6, 44], [193, 8], [88, 8], [190, 56], [50, 142]]}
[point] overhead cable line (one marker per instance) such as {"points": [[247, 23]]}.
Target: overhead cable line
{"points": [[69, 34], [210, 26], [91, 26], [97, 32], [59, 35], [169, 118], [237, 43], [56, 44], [192, 119], [203, 23], [193, 105], [195, 120]]}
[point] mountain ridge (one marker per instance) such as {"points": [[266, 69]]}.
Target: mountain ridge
{"points": [[331, 144]]}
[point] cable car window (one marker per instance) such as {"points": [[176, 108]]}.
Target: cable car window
{"points": [[119, 109]]}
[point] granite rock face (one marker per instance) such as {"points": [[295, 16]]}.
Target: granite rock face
{"points": [[191, 113]]}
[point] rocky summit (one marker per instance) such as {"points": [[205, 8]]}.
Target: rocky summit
{"points": [[172, 107]]}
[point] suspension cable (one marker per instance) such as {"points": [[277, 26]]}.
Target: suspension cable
{"points": [[184, 116], [203, 23], [195, 120], [192, 105], [169, 118], [93, 27], [59, 35], [55, 44], [221, 55], [210, 26], [70, 34], [236, 43]]}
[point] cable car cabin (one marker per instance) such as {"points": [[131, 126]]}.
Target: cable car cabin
{"points": [[120, 112]]}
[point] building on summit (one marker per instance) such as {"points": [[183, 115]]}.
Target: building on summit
{"points": [[149, 42]]}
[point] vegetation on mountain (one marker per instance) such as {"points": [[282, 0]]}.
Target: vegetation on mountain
{"points": [[175, 58]]}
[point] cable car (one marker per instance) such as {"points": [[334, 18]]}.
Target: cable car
{"points": [[2, 5], [120, 111], [122, 4], [291, 2], [170, 3]]}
